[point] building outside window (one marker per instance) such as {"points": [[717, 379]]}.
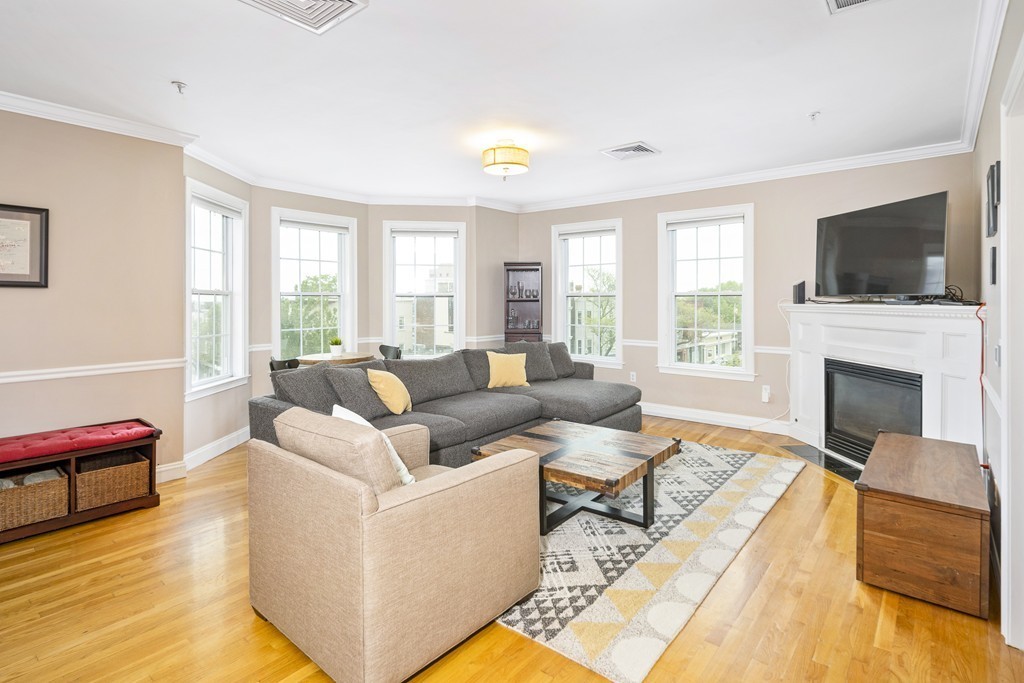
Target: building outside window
{"points": [[706, 291], [587, 289], [425, 301]]}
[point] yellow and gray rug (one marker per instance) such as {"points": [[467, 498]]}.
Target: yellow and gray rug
{"points": [[614, 595]]}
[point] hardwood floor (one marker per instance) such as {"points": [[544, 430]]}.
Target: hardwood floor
{"points": [[162, 594]]}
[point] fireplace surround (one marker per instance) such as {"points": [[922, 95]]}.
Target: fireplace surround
{"points": [[939, 344]]}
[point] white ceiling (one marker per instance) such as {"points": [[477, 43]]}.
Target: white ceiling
{"points": [[399, 100]]}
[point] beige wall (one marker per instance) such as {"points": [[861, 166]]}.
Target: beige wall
{"points": [[786, 213], [495, 241], [116, 279]]}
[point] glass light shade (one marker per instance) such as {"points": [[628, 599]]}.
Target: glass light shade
{"points": [[506, 160]]}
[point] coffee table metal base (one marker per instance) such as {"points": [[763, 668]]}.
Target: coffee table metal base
{"points": [[589, 501]]}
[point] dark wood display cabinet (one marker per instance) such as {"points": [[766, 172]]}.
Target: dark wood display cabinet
{"points": [[524, 312]]}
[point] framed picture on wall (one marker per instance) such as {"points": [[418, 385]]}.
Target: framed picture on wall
{"points": [[23, 246], [992, 183]]}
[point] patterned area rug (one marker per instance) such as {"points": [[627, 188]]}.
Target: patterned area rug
{"points": [[614, 595]]}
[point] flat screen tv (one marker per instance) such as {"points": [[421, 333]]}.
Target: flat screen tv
{"points": [[898, 249]]}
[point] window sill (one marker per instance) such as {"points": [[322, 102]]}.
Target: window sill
{"points": [[610, 363], [215, 388], [716, 373]]}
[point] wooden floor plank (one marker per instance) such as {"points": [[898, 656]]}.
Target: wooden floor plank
{"points": [[162, 594]]}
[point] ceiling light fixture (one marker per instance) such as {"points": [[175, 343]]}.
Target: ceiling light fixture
{"points": [[506, 159]]}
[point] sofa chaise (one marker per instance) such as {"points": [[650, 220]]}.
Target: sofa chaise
{"points": [[450, 397]]}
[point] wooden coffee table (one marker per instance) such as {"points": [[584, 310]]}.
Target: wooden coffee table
{"points": [[602, 461]]}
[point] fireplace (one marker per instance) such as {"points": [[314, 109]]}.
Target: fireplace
{"points": [[861, 400]]}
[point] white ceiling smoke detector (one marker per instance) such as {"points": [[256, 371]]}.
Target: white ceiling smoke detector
{"points": [[633, 150], [317, 16], [840, 5]]}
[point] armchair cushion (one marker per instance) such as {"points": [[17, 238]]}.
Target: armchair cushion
{"points": [[351, 449], [400, 468]]}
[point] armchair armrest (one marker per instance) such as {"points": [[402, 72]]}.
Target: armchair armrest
{"points": [[583, 370], [412, 442], [446, 555]]}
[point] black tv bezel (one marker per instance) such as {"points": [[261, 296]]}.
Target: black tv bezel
{"points": [[863, 295]]}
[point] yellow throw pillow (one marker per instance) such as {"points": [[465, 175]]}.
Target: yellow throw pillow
{"points": [[391, 391], [507, 370]]}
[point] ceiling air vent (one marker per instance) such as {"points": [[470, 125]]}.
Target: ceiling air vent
{"points": [[313, 15], [633, 150], [840, 5]]}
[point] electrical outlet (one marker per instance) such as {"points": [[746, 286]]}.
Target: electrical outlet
{"points": [[632, 377], [766, 393]]}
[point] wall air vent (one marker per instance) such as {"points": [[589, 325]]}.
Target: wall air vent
{"points": [[633, 150], [840, 5], [317, 16]]}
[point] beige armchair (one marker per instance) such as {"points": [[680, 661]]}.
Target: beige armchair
{"points": [[374, 581]]}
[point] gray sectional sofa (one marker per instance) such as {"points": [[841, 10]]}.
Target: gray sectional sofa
{"points": [[450, 397]]}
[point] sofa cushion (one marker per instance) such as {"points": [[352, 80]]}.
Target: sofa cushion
{"points": [[305, 387], [561, 360], [507, 370], [538, 359], [428, 471], [427, 379], [478, 365], [444, 431], [351, 449], [355, 393], [390, 390], [485, 412], [579, 400]]}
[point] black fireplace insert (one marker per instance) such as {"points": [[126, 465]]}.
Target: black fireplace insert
{"points": [[861, 400]]}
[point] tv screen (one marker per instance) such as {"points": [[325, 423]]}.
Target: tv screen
{"points": [[897, 249]]}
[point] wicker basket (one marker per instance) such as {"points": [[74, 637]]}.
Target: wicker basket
{"points": [[108, 478], [26, 504]]}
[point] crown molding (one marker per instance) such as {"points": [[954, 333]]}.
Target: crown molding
{"points": [[991, 16], [200, 154], [19, 104], [814, 168]]}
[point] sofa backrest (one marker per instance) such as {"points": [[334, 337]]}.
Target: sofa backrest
{"points": [[431, 378], [478, 365]]}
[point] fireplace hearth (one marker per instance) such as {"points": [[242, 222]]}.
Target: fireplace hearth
{"points": [[861, 400]]}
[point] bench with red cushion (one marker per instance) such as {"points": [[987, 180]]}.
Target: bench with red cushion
{"points": [[14, 448]]}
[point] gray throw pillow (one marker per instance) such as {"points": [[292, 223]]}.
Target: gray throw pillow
{"points": [[355, 393], [427, 379], [306, 388], [561, 359], [538, 360], [478, 365]]}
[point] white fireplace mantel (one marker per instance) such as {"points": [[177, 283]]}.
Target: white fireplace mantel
{"points": [[941, 343]]}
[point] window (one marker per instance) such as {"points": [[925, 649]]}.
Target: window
{"points": [[706, 279], [314, 275], [217, 343], [587, 290], [424, 299]]}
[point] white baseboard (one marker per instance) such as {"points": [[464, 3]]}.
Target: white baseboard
{"points": [[170, 471], [716, 418], [218, 447]]}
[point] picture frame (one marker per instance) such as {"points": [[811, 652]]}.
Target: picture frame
{"points": [[24, 246], [994, 195]]}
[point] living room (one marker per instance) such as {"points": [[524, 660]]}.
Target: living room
{"points": [[96, 133]]}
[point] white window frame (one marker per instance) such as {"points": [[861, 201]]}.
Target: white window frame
{"points": [[666, 294], [348, 321], [558, 274], [459, 230], [238, 278]]}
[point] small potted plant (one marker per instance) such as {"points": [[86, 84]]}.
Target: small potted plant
{"points": [[336, 346]]}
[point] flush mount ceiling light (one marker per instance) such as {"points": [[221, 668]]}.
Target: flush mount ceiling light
{"points": [[317, 16], [506, 159]]}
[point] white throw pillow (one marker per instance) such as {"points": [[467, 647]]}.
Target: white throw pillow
{"points": [[403, 471]]}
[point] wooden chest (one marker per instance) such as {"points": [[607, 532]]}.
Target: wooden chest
{"points": [[923, 522]]}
